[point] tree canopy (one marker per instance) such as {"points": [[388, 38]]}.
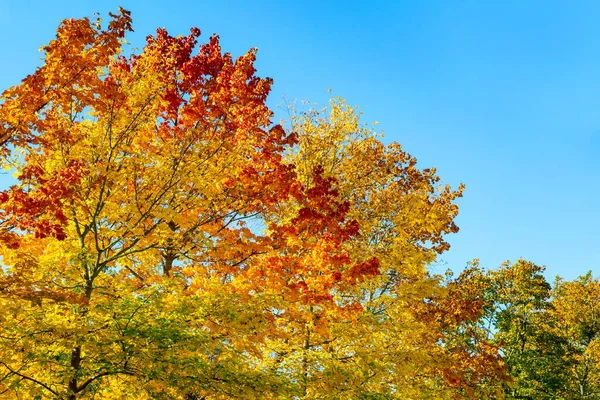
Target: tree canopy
{"points": [[166, 239]]}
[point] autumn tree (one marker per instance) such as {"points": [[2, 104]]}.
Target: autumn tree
{"points": [[135, 177], [547, 333], [165, 239], [402, 342], [576, 307], [518, 317]]}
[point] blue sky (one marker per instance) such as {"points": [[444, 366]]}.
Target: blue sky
{"points": [[503, 96]]}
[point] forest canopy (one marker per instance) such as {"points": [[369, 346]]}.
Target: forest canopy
{"points": [[166, 239]]}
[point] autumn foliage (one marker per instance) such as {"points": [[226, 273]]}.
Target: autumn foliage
{"points": [[166, 239]]}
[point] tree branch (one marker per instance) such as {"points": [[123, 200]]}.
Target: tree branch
{"points": [[28, 378]]}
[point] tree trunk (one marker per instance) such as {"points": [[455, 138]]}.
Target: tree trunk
{"points": [[75, 364]]}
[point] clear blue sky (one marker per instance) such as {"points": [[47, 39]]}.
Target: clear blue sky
{"points": [[501, 95]]}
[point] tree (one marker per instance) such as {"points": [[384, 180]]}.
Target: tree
{"points": [[166, 240], [548, 334], [521, 321], [403, 342], [576, 305]]}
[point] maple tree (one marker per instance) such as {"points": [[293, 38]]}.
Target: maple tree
{"points": [[165, 239], [403, 343]]}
